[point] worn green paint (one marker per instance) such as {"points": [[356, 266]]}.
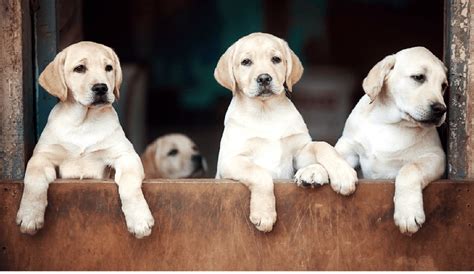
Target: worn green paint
{"points": [[46, 43]]}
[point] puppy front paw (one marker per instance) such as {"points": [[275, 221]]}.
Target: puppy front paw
{"points": [[139, 222], [343, 178], [311, 176], [263, 220], [409, 216], [30, 218]]}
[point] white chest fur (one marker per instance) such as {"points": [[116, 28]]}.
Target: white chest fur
{"points": [[384, 148], [80, 139], [261, 135]]}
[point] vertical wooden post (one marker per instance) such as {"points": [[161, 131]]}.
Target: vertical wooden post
{"points": [[458, 54], [16, 91]]}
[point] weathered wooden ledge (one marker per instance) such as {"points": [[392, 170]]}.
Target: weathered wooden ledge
{"points": [[203, 225]]}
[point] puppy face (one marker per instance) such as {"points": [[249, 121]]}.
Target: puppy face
{"points": [[176, 156], [87, 73], [416, 81], [259, 65]]}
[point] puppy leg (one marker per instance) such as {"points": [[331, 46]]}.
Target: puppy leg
{"points": [[260, 183], [345, 148], [409, 215], [39, 173], [129, 176], [342, 177]]}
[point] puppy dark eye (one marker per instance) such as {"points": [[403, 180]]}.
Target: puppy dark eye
{"points": [[246, 62], [276, 60], [108, 68], [195, 148], [420, 78], [444, 86], [80, 69], [173, 152]]}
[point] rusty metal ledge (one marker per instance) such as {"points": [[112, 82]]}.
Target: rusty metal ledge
{"points": [[203, 225]]}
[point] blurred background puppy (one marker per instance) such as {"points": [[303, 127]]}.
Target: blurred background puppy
{"points": [[173, 156]]}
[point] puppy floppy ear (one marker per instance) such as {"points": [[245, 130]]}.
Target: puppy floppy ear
{"points": [[148, 161], [117, 70], [373, 83], [294, 68], [52, 78], [224, 71]]}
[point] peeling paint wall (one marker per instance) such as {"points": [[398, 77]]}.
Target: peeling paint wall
{"points": [[16, 127], [458, 35], [470, 98]]}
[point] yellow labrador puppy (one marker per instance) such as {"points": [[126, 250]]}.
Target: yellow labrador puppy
{"points": [[265, 137], [83, 136], [391, 133], [173, 156]]}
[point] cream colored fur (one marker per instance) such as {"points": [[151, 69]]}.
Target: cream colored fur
{"points": [[82, 139], [387, 133], [265, 137]]}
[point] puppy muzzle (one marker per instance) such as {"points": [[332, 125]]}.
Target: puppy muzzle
{"points": [[264, 82], [436, 115], [100, 94], [200, 165]]}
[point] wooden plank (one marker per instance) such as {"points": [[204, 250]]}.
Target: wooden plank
{"points": [[16, 92], [203, 225], [458, 57]]}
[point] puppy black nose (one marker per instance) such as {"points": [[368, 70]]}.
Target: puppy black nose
{"points": [[264, 79], [100, 89], [438, 109], [197, 160]]}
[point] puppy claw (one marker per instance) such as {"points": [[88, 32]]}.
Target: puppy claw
{"points": [[263, 221], [140, 222], [142, 228], [305, 184], [311, 176], [343, 179], [30, 219], [409, 220]]}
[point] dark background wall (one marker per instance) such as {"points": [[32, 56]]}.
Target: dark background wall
{"points": [[176, 44]]}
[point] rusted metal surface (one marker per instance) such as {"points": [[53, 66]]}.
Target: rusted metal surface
{"points": [[204, 226], [16, 111], [458, 54]]}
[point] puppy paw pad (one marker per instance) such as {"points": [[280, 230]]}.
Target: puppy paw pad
{"points": [[140, 225], [30, 219], [311, 176], [344, 182]]}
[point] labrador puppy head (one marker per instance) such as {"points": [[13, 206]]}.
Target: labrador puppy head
{"points": [[415, 80], [173, 156], [86, 72], [259, 65]]}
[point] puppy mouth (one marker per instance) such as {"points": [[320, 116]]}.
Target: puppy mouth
{"points": [[200, 169], [197, 172], [431, 121], [100, 100], [265, 92]]}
